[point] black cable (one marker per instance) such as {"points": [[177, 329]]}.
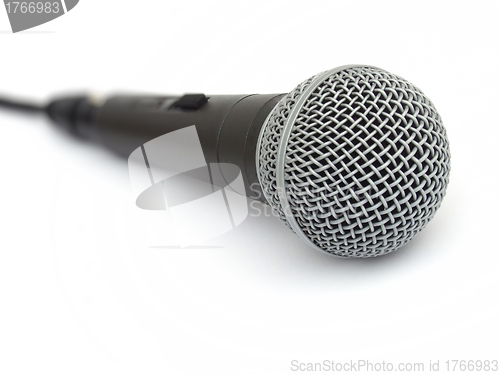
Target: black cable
{"points": [[20, 106]]}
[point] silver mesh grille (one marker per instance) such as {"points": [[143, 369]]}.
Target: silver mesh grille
{"points": [[366, 161]]}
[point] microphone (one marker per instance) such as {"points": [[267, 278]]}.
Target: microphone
{"points": [[354, 160]]}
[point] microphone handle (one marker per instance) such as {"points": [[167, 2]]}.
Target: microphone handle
{"points": [[228, 126]]}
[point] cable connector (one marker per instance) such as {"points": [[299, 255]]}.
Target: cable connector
{"points": [[76, 115]]}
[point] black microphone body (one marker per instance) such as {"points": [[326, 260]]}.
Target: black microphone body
{"points": [[228, 126]]}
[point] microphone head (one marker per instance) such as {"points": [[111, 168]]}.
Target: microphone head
{"points": [[354, 160]]}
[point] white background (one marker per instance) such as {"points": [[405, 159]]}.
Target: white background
{"points": [[84, 290]]}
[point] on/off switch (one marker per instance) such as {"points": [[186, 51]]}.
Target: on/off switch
{"points": [[191, 101]]}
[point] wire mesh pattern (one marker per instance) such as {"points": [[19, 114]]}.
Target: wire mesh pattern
{"points": [[271, 137], [367, 162]]}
